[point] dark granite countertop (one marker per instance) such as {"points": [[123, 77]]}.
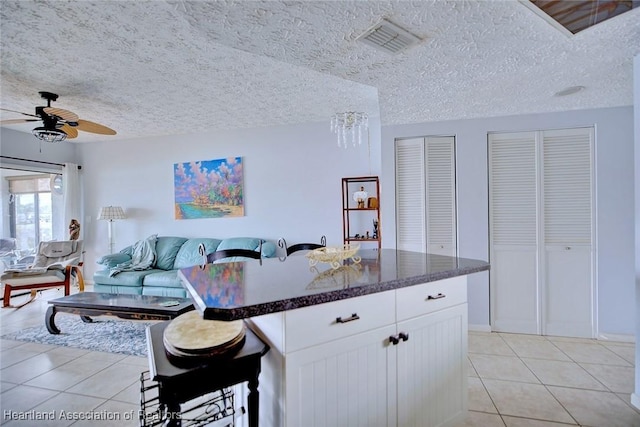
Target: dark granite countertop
{"points": [[238, 290]]}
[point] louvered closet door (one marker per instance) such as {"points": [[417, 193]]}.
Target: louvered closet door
{"points": [[425, 195], [410, 195], [513, 232], [567, 206], [441, 206]]}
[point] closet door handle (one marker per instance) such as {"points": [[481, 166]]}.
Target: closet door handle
{"points": [[351, 318], [440, 295]]}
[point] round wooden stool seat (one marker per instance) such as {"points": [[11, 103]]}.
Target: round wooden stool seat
{"points": [[191, 336]]}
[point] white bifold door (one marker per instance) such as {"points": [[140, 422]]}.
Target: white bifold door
{"points": [[541, 228], [426, 195]]}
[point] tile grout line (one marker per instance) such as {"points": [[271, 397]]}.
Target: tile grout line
{"points": [[541, 382], [607, 389]]}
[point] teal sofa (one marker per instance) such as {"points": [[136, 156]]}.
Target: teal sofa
{"points": [[171, 254]]}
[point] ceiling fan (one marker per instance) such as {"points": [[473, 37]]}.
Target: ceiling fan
{"points": [[58, 124]]}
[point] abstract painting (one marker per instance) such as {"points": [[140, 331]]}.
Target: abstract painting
{"points": [[209, 188]]}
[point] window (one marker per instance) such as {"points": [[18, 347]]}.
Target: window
{"points": [[31, 210]]}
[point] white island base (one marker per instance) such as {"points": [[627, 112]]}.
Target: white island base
{"points": [[394, 358]]}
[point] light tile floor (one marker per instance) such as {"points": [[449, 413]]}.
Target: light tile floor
{"points": [[534, 381], [514, 380]]}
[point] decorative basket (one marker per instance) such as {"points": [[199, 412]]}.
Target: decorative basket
{"points": [[334, 255]]}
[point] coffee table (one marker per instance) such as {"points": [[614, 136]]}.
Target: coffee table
{"points": [[124, 306]]}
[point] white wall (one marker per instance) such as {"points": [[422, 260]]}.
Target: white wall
{"points": [[26, 146], [23, 145], [614, 186], [292, 178], [635, 397]]}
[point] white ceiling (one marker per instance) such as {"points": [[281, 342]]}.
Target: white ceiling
{"points": [[177, 67]]}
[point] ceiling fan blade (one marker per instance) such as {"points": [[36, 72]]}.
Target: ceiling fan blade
{"points": [[87, 126], [65, 115], [20, 112], [16, 121], [70, 131]]}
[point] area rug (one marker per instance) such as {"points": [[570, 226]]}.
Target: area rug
{"points": [[112, 336]]}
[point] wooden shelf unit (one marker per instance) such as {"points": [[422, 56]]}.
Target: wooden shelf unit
{"points": [[358, 221]]}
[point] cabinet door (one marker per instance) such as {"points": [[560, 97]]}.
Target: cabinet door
{"points": [[432, 369], [347, 382]]}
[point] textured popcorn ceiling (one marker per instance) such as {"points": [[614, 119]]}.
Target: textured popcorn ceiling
{"points": [[178, 67]]}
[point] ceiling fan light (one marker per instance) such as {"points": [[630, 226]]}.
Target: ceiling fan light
{"points": [[49, 135]]}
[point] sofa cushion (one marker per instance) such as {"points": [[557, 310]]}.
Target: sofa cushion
{"points": [[188, 254], [249, 243], [125, 278], [112, 260], [165, 292], [268, 249], [166, 250], [116, 289], [166, 279]]}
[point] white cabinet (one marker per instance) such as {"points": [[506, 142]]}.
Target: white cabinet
{"points": [[432, 369], [347, 382], [397, 358]]}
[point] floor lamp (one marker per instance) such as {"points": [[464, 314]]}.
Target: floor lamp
{"points": [[111, 213]]}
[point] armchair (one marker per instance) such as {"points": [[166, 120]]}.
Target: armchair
{"points": [[7, 245], [55, 265], [7, 256]]}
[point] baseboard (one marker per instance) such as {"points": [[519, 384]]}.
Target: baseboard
{"points": [[635, 400], [617, 337], [480, 328]]}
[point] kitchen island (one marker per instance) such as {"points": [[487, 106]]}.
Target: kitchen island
{"points": [[382, 342]]}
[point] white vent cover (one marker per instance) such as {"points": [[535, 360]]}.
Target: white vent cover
{"points": [[388, 37]]}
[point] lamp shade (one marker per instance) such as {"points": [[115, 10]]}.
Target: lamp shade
{"points": [[111, 212]]}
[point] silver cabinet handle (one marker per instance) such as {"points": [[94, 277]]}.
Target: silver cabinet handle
{"points": [[351, 318], [440, 295]]}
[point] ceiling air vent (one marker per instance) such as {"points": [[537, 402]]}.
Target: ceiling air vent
{"points": [[388, 37]]}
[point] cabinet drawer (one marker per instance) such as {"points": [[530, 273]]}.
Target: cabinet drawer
{"points": [[317, 324], [416, 300]]}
